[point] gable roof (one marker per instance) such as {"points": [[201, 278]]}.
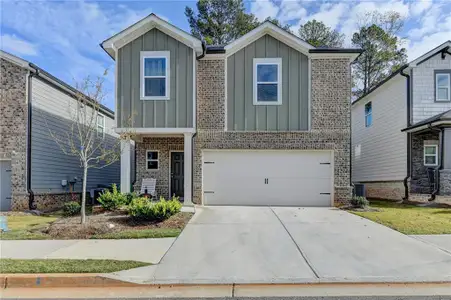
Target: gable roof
{"points": [[273, 30], [130, 33], [443, 48], [442, 118], [49, 78]]}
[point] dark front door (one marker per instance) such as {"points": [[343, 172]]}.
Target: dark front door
{"points": [[177, 174]]}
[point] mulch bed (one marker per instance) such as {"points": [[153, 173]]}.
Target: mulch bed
{"points": [[109, 222]]}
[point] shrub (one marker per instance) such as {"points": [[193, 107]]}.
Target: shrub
{"points": [[130, 197], [144, 209], [359, 202], [111, 200], [71, 208]]}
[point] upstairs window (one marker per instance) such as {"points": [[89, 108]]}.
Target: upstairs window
{"points": [[100, 125], [267, 81], [155, 75], [430, 155], [443, 86], [368, 114]]}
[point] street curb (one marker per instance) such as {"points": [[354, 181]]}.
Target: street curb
{"points": [[89, 280]]}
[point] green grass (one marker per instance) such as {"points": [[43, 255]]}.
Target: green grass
{"points": [[140, 234], [26, 227], [66, 265], [410, 219]]}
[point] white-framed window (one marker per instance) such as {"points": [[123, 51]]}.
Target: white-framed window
{"points": [[267, 81], [430, 155], [155, 69], [100, 125], [443, 86], [368, 114], [152, 160]]}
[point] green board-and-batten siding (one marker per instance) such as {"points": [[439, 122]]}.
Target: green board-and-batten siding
{"points": [[292, 114], [177, 112]]}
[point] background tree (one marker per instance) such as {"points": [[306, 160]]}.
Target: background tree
{"points": [[383, 53], [318, 34], [220, 21], [82, 139], [277, 23]]}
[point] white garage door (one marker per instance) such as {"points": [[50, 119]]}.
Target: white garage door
{"points": [[253, 177]]}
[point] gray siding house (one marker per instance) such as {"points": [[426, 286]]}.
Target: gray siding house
{"points": [[34, 172], [264, 120], [401, 132]]}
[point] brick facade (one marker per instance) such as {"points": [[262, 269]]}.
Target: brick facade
{"points": [[419, 182], [387, 190], [445, 182], [163, 145], [330, 121], [13, 128]]}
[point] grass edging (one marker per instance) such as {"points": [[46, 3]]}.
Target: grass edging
{"points": [[31, 266]]}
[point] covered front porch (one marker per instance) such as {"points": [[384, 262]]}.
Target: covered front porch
{"points": [[430, 158], [165, 155]]}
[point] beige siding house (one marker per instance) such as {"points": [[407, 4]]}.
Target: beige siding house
{"points": [[264, 120]]}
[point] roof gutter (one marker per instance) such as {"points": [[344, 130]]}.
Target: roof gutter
{"points": [[409, 137], [204, 50]]}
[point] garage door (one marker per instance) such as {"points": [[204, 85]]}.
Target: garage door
{"points": [[288, 178]]}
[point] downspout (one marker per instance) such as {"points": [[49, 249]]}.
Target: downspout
{"points": [[440, 165], [406, 179], [204, 50], [31, 204]]}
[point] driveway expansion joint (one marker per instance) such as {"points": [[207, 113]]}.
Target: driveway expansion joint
{"points": [[430, 244], [297, 246]]}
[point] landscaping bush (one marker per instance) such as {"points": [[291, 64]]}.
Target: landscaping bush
{"points": [[359, 202], [130, 197], [71, 208], [144, 209], [112, 200]]}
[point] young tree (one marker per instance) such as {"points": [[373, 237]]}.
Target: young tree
{"points": [[383, 54], [277, 23], [83, 137], [319, 35], [220, 21]]}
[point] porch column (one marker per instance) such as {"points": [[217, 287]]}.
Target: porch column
{"points": [[188, 164], [447, 149], [125, 166]]}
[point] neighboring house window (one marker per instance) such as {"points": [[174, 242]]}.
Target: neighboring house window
{"points": [[152, 160], [100, 125], [443, 86], [430, 155], [267, 81], [155, 75], [368, 114]]}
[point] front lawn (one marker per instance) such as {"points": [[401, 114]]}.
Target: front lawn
{"points": [[106, 225], [28, 266], [409, 219]]}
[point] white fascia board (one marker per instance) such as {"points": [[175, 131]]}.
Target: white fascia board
{"points": [[273, 30], [14, 59], [152, 21], [426, 126], [350, 56], [145, 131]]}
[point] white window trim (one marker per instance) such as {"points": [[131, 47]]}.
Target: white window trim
{"points": [[366, 115], [100, 125], [447, 87], [155, 54], [157, 160], [434, 155], [268, 61]]}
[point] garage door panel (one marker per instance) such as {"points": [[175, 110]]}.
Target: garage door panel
{"points": [[256, 177]]}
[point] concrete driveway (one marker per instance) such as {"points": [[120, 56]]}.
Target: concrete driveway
{"points": [[285, 245]]}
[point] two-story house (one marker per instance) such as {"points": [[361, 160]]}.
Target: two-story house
{"points": [[401, 132], [34, 172], [264, 120]]}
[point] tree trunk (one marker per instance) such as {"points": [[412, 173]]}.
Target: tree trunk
{"points": [[83, 194]]}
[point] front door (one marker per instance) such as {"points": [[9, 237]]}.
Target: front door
{"points": [[5, 185], [177, 174]]}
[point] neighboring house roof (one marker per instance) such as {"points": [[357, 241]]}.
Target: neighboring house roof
{"points": [[130, 33], [440, 119], [443, 48], [51, 79]]}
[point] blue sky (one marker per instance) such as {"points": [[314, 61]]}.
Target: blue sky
{"points": [[63, 37]]}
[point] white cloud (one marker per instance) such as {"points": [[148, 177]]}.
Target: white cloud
{"points": [[329, 14], [429, 23], [291, 10], [417, 8], [429, 42], [12, 43], [264, 9]]}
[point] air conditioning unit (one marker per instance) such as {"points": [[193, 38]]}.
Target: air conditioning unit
{"points": [[359, 190]]}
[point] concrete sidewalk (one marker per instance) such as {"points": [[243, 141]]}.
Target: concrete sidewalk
{"points": [[144, 250]]}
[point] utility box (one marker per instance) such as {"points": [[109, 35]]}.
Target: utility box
{"points": [[359, 190]]}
